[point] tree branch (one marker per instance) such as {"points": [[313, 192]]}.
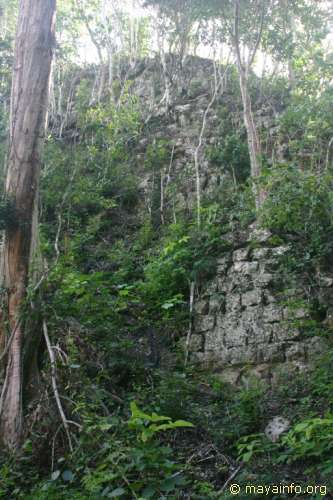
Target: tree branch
{"points": [[256, 46], [55, 386], [235, 36]]}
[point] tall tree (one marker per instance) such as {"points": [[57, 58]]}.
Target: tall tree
{"points": [[29, 99], [244, 65]]}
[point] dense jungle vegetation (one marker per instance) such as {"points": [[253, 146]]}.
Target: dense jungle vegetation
{"points": [[173, 127]]}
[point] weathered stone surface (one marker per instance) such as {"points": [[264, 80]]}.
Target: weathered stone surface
{"points": [[283, 331], [240, 254], [269, 297], [231, 375], [196, 343], [202, 307], [272, 313], [260, 253], [248, 330], [277, 426], [241, 355], [246, 267], [264, 279], [241, 328], [223, 264], [233, 302], [271, 353], [295, 351], [260, 235], [278, 251], [216, 303], [252, 297], [204, 323]]}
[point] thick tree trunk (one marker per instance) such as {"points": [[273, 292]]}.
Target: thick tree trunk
{"points": [[30, 90]]}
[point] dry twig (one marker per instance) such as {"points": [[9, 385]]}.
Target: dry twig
{"points": [[55, 386]]}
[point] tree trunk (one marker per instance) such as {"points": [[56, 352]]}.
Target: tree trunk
{"points": [[243, 65], [30, 90], [252, 136]]}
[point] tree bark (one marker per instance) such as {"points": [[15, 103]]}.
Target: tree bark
{"points": [[252, 135], [29, 99], [243, 66]]}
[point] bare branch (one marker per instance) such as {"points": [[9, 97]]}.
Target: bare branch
{"points": [[190, 329], [55, 386], [328, 153], [217, 86], [228, 481]]}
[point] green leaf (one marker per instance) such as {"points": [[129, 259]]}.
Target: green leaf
{"points": [[55, 475], [246, 457], [117, 493], [148, 492], [168, 305], [168, 484], [182, 423]]}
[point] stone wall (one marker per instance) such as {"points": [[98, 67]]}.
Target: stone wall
{"points": [[242, 324]]}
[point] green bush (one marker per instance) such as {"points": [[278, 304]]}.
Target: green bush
{"points": [[299, 208]]}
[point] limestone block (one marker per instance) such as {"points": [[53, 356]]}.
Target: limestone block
{"points": [[196, 343], [281, 250], [271, 353], [260, 235], [258, 334], [211, 288], [251, 298], [214, 342], [264, 279], [269, 265], [277, 426], [184, 108], [230, 375], [202, 307], [281, 332], [235, 335], [295, 351], [204, 323], [241, 254], [222, 284], [299, 313], [242, 355], [272, 313], [233, 302], [269, 297], [299, 366], [260, 253], [223, 264], [245, 267], [262, 372], [251, 316], [216, 303]]}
